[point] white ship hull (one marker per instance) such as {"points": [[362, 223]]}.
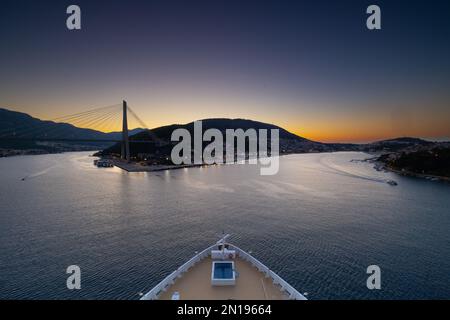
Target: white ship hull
{"points": [[220, 272]]}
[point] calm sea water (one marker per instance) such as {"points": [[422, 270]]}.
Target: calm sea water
{"points": [[318, 223]]}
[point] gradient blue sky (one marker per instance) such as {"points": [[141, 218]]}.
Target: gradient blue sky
{"points": [[311, 67]]}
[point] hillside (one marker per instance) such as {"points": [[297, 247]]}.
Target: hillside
{"points": [[161, 136], [395, 145], [433, 161], [18, 131]]}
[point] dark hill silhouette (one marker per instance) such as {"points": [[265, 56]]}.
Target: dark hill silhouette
{"points": [[165, 132], [161, 136], [16, 125], [396, 144]]}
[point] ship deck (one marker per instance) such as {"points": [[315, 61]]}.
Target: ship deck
{"points": [[251, 284]]}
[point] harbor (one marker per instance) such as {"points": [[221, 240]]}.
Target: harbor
{"points": [[138, 167]]}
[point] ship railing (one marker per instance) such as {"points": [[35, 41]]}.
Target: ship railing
{"points": [[276, 279], [170, 279]]}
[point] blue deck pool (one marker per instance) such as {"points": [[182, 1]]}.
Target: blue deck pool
{"points": [[223, 270], [223, 273]]}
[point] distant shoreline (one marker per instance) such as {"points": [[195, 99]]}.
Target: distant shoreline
{"points": [[380, 165], [407, 173], [136, 167], [8, 153]]}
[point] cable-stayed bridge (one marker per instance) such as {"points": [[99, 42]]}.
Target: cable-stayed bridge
{"points": [[106, 120]]}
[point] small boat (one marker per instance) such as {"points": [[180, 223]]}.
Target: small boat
{"points": [[392, 182], [221, 272], [103, 163]]}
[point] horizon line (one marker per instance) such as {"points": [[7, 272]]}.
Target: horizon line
{"points": [[326, 140]]}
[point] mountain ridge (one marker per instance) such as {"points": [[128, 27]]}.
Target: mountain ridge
{"points": [[222, 124], [10, 117], [15, 121]]}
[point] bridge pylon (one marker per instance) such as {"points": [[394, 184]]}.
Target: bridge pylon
{"points": [[125, 154]]}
